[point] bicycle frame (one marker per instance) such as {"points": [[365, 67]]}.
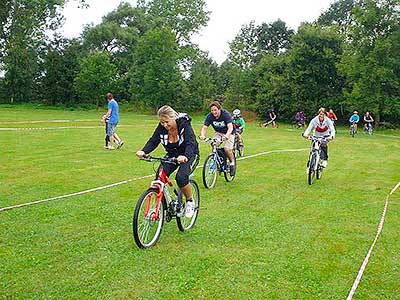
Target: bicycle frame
{"points": [[218, 161], [161, 185], [315, 148]]}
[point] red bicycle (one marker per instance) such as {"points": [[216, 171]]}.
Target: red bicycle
{"points": [[162, 201]]}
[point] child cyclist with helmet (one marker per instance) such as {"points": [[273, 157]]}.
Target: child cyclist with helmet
{"points": [[239, 123]]}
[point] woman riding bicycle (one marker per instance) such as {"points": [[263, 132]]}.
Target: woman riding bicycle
{"points": [[368, 120], [176, 134], [323, 127], [221, 121]]}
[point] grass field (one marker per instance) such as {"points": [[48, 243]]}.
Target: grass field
{"points": [[267, 235]]}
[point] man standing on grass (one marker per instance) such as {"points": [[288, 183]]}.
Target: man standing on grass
{"points": [[113, 115]]}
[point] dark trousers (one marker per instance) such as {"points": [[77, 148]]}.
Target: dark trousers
{"points": [[182, 176]]}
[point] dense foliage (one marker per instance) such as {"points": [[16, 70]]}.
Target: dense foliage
{"points": [[347, 59]]}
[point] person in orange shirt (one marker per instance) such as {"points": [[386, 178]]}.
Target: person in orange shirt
{"points": [[332, 116]]}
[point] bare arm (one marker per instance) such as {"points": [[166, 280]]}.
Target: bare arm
{"points": [[203, 132], [108, 113], [230, 129]]}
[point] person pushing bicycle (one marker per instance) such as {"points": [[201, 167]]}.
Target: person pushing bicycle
{"points": [[323, 127], [176, 134], [222, 122]]}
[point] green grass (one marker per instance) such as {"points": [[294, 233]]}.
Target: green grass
{"points": [[267, 235]]}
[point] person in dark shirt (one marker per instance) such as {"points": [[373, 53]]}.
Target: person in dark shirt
{"points": [[271, 117], [176, 134], [221, 120]]}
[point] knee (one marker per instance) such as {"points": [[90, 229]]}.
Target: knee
{"points": [[182, 180]]}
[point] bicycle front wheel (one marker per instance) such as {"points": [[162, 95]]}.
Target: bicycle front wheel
{"points": [[183, 222], [319, 171], [311, 169], [210, 171], [147, 224]]}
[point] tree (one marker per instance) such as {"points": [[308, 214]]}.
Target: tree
{"points": [[201, 83], [274, 38], [243, 49], [371, 60], [155, 78], [23, 25], [338, 14], [312, 68], [60, 67], [272, 85], [184, 17], [96, 77]]}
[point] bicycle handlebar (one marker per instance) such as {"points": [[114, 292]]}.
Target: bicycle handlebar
{"points": [[216, 140], [170, 160], [314, 138]]}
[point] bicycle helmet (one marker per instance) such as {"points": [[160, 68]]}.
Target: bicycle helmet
{"points": [[236, 113]]}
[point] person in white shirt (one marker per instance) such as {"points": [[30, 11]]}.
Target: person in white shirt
{"points": [[323, 127]]}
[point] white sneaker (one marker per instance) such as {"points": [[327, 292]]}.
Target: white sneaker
{"points": [[111, 147], [324, 163], [120, 144], [189, 209]]}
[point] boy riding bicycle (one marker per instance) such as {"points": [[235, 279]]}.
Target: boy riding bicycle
{"points": [[240, 124]]}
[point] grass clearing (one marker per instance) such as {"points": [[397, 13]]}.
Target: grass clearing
{"points": [[267, 235]]}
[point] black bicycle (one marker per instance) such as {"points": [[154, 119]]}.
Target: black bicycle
{"points": [[368, 128], [215, 163], [238, 146], [314, 167], [162, 201]]}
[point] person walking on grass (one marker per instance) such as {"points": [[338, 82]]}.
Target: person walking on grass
{"points": [[113, 116]]}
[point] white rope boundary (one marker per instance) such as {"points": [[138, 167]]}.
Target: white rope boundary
{"points": [[73, 194], [362, 268], [365, 262], [124, 182]]}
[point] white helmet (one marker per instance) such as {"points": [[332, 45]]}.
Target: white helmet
{"points": [[236, 113]]}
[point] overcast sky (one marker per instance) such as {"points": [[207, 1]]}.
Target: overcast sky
{"points": [[226, 18]]}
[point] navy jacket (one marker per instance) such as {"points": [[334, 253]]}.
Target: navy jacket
{"points": [[186, 145]]}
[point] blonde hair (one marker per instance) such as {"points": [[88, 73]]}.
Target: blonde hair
{"points": [[167, 111], [322, 109]]}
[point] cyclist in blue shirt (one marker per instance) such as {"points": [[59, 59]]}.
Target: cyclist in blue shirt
{"points": [[355, 118]]}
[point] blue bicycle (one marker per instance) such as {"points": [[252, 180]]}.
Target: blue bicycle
{"points": [[215, 163]]}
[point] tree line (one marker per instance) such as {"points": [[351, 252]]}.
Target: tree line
{"points": [[348, 59]]}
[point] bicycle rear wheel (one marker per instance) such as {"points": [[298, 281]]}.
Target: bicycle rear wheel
{"points": [[210, 171], [147, 226], [311, 169], [183, 222], [241, 150]]}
